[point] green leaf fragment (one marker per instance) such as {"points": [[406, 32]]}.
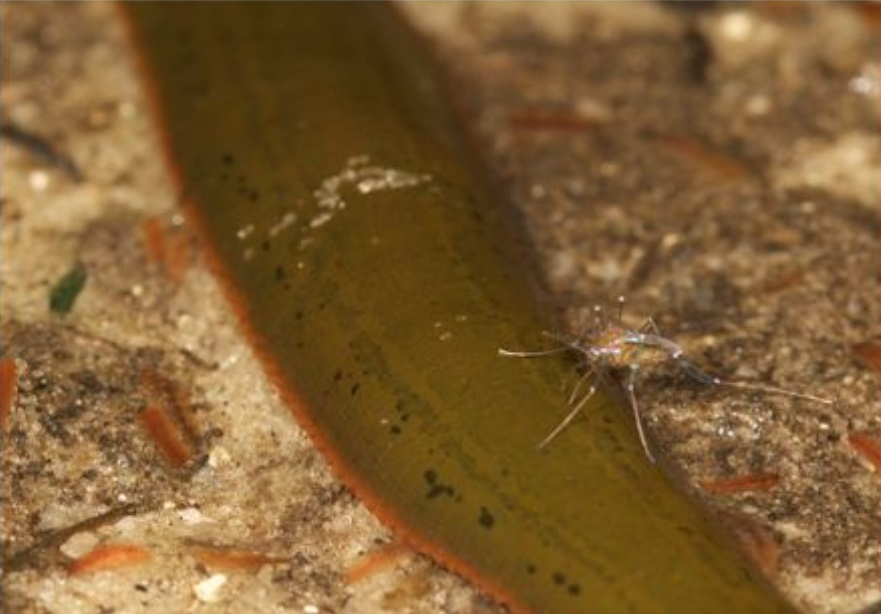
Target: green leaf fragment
{"points": [[66, 290]]}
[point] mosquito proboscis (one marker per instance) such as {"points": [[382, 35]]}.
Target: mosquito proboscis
{"points": [[613, 349]]}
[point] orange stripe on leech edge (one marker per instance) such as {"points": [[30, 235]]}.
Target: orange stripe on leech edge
{"points": [[167, 436], [177, 260], [171, 251], [107, 558], [154, 239], [867, 446], [8, 389], [745, 483]]}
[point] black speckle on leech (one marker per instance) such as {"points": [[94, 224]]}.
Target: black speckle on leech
{"points": [[279, 272], [559, 578], [227, 158], [265, 246], [338, 375], [486, 519], [435, 488], [531, 569], [573, 589], [354, 389], [395, 429]]}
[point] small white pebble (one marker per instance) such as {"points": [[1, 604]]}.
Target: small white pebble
{"points": [[757, 105], [127, 524], [79, 544], [219, 455], [208, 590], [191, 515], [310, 609], [244, 232], [868, 81], [738, 26], [127, 109], [38, 180], [670, 240]]}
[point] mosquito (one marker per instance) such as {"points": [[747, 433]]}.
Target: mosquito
{"points": [[617, 351]]}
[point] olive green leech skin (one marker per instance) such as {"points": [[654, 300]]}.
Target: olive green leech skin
{"points": [[380, 319]]}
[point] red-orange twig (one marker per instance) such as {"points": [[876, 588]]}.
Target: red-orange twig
{"points": [[869, 352], [8, 389], [104, 558], [376, 561], [867, 446], [167, 435]]}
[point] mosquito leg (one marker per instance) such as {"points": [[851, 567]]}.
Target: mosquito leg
{"points": [[578, 384], [631, 395], [773, 390], [567, 420], [696, 373]]}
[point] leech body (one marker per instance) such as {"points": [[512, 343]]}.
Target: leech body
{"points": [[433, 433]]}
